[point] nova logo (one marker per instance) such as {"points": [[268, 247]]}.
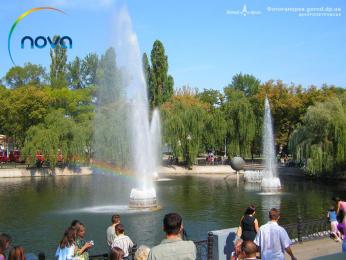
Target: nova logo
{"points": [[39, 42]]}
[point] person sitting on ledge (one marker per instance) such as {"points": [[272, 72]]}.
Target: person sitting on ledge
{"points": [[273, 239], [248, 250], [173, 247]]}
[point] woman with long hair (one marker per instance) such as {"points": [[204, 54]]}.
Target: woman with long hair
{"points": [[249, 224], [67, 247], [82, 245], [16, 253]]}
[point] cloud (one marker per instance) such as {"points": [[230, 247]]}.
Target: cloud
{"points": [[78, 3]]}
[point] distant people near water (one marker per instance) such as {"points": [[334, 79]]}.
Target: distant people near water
{"points": [[82, 246], [273, 239], [67, 247], [331, 215], [248, 250], [111, 229], [16, 253], [342, 228], [5, 241], [122, 241], [142, 253], [173, 247], [340, 207], [116, 253], [248, 224]]}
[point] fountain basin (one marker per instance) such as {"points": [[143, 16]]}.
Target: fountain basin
{"points": [[143, 198]]}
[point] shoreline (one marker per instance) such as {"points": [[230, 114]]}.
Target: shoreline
{"points": [[44, 172]]}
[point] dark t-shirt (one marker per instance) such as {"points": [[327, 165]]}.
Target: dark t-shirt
{"points": [[248, 228]]}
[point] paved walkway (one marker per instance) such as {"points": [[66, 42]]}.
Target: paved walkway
{"points": [[316, 248]]}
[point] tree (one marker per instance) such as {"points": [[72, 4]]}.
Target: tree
{"points": [[240, 122], [58, 66], [108, 79], [58, 131], [74, 74], [184, 119], [212, 97], [30, 74], [320, 141], [160, 83], [22, 108], [147, 72], [246, 83], [111, 121], [89, 69]]}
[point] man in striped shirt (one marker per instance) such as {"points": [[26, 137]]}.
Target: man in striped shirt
{"points": [[122, 241]]}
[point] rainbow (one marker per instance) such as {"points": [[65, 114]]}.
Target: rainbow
{"points": [[108, 167], [21, 18]]}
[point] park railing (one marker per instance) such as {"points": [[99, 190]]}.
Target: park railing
{"points": [[308, 230], [298, 232], [204, 250]]}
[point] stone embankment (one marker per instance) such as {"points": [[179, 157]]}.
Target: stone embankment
{"points": [[42, 172]]}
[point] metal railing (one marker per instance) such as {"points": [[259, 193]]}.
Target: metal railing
{"points": [[308, 230], [204, 250]]}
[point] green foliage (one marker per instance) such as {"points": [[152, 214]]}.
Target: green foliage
{"points": [[240, 122], [58, 131], [320, 141], [111, 121], [30, 74], [108, 79], [184, 118], [160, 83], [58, 67], [89, 69], [215, 130], [212, 97], [246, 83], [74, 75]]}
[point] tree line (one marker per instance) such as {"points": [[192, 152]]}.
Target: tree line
{"points": [[73, 105]]}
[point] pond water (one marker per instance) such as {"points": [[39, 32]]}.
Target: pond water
{"points": [[36, 211]]}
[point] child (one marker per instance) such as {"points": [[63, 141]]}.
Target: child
{"points": [[331, 215], [122, 241]]}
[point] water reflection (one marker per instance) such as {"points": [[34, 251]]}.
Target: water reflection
{"points": [[49, 204]]}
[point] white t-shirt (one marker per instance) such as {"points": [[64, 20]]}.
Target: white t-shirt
{"points": [[123, 242], [65, 253], [111, 235], [273, 240]]}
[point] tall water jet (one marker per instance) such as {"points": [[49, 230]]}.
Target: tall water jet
{"points": [[142, 140], [155, 135], [270, 179]]}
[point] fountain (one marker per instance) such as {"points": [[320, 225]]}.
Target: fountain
{"points": [[144, 137], [268, 176], [270, 179]]}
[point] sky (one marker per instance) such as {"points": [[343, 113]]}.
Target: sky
{"points": [[207, 41]]}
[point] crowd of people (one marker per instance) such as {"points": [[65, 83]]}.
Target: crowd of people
{"points": [[269, 241]]}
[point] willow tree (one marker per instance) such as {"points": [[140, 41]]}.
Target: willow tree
{"points": [[240, 122], [320, 141], [58, 131], [183, 124], [111, 119]]}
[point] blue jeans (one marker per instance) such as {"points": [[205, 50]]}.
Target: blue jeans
{"points": [[344, 246]]}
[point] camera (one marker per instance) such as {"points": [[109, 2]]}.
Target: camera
{"points": [[91, 242]]}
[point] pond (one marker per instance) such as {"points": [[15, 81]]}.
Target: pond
{"points": [[36, 211]]}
